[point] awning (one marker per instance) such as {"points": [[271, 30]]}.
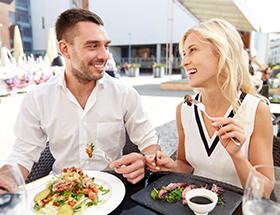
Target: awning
{"points": [[230, 10]]}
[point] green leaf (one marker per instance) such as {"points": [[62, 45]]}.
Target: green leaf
{"points": [[133, 65], [154, 194]]}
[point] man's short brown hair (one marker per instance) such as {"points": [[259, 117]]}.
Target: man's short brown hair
{"points": [[67, 20]]}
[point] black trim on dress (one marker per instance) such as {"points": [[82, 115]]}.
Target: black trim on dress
{"points": [[215, 142]]}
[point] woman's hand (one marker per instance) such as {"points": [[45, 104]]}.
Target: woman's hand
{"points": [[7, 185], [163, 163], [228, 128]]}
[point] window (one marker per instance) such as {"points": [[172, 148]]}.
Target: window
{"points": [[27, 32], [27, 46], [22, 3], [43, 22], [12, 18]]}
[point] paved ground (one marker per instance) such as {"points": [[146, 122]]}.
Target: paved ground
{"points": [[159, 104]]}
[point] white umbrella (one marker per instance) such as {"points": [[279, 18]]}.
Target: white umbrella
{"points": [[51, 48], [5, 60], [18, 50]]}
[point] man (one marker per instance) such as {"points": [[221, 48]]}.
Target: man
{"points": [[83, 108]]}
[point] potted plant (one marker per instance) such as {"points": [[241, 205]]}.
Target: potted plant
{"points": [[134, 69], [158, 70]]}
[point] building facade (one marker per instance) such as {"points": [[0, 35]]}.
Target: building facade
{"points": [[141, 31], [274, 52], [8, 21], [23, 20], [14, 13]]}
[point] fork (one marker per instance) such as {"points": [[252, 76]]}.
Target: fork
{"points": [[101, 153], [189, 100]]}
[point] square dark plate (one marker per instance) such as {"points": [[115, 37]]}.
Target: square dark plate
{"points": [[232, 196]]}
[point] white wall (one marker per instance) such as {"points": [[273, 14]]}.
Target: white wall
{"points": [[50, 10], [116, 51], [259, 42], [146, 20]]}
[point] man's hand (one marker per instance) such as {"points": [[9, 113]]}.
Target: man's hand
{"points": [[131, 166]]}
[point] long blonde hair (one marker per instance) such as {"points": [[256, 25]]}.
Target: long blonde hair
{"points": [[233, 65]]}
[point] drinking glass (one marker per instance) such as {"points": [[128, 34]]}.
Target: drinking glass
{"points": [[12, 191], [262, 195]]}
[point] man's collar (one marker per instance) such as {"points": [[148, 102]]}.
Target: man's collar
{"points": [[62, 81]]}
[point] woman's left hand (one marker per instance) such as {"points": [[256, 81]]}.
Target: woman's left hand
{"points": [[228, 128]]}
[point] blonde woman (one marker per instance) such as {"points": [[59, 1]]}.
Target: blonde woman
{"points": [[217, 65]]}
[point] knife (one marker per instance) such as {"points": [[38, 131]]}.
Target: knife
{"points": [[156, 149]]}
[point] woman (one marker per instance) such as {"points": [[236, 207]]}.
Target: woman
{"points": [[110, 66], [216, 63], [266, 75]]}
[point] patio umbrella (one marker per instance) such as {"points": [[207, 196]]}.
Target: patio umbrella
{"points": [[18, 50], [51, 48], [5, 61]]}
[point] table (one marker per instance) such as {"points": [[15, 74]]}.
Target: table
{"points": [[129, 206], [275, 108]]}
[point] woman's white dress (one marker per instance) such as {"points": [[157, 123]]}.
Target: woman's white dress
{"points": [[216, 163]]}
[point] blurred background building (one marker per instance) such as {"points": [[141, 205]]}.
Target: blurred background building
{"points": [[144, 32], [274, 52]]}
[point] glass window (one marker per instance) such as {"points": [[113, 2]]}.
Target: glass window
{"points": [[43, 22], [12, 18], [27, 32], [22, 3], [27, 46]]}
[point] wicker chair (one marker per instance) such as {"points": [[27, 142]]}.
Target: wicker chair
{"points": [[276, 122], [265, 91], [129, 146], [276, 150], [44, 165]]}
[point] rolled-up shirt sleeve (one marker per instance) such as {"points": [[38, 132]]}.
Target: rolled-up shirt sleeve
{"points": [[139, 128], [31, 140]]}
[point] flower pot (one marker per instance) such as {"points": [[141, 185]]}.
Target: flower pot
{"points": [[3, 88], [158, 72], [133, 72], [184, 75]]}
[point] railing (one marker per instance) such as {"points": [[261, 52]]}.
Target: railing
{"points": [[148, 62]]}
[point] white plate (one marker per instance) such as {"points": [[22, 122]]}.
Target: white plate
{"points": [[108, 181]]}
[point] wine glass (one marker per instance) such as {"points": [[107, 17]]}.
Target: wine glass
{"points": [[12, 190], [262, 195]]}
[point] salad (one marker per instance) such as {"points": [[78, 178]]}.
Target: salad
{"points": [[90, 149], [177, 191], [70, 193]]}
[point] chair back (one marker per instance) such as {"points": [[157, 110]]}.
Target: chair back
{"points": [[129, 147], [44, 165], [265, 91], [276, 150]]}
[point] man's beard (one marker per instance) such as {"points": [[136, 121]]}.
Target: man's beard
{"points": [[85, 77], [81, 72]]}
